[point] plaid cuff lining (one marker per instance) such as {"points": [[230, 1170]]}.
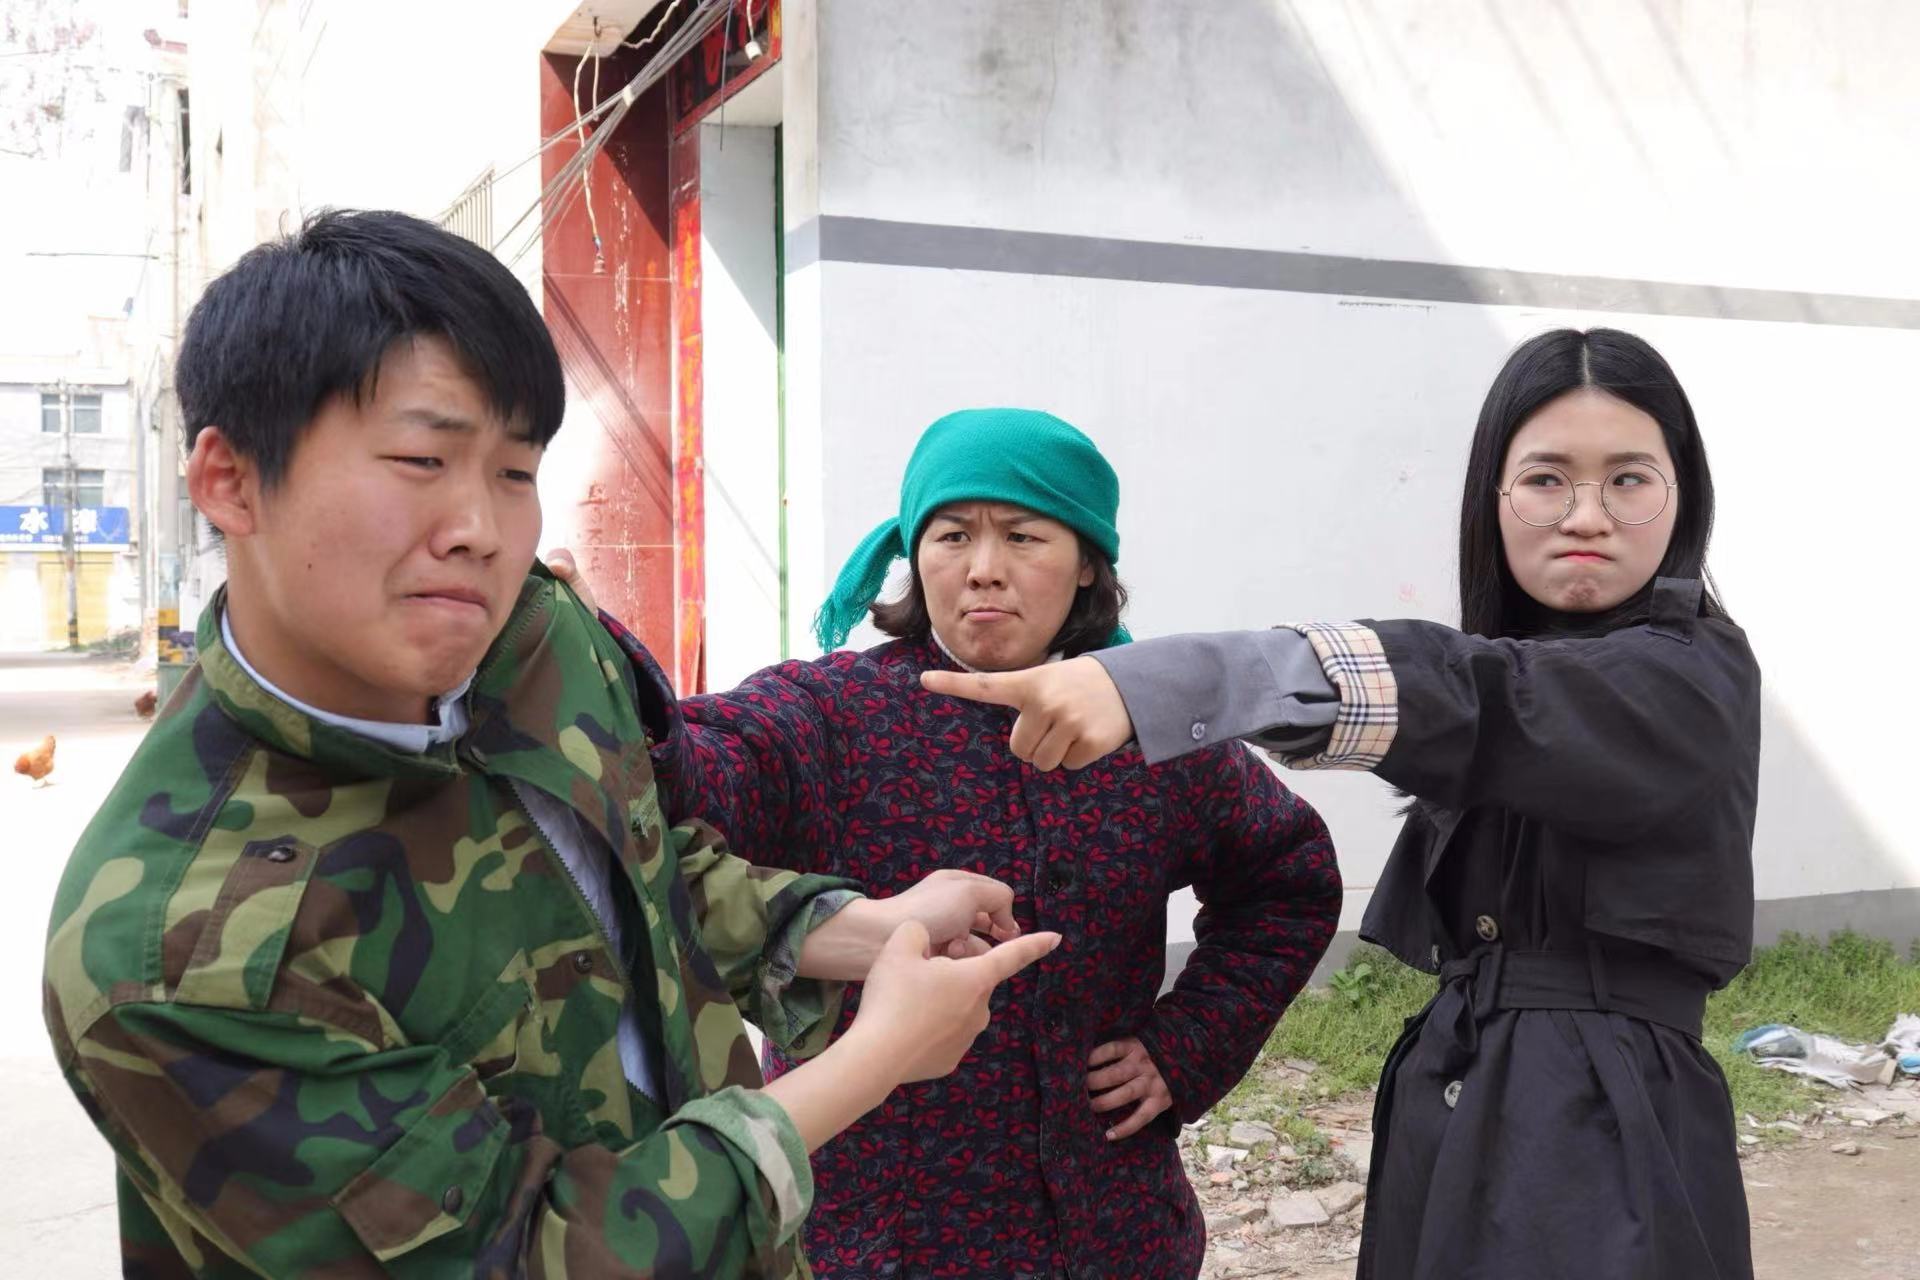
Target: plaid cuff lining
{"points": [[1356, 664]]}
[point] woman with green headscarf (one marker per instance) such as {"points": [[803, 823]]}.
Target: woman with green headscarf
{"points": [[1051, 1151]]}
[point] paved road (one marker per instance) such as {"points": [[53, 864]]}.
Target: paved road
{"points": [[56, 1180]]}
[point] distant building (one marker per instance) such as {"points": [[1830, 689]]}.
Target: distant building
{"points": [[37, 499]]}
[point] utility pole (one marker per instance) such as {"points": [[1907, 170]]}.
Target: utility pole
{"points": [[67, 538]]}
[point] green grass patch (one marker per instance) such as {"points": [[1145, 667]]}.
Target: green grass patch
{"points": [[1850, 986], [1349, 1038]]}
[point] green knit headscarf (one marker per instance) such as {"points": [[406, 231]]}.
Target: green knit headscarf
{"points": [[1019, 456]]}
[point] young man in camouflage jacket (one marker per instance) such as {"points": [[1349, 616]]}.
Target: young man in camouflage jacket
{"points": [[381, 958]]}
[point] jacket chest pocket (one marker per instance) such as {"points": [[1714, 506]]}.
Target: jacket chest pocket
{"points": [[512, 1039], [501, 1033]]}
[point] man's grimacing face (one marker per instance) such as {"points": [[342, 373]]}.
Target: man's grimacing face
{"points": [[376, 573]]}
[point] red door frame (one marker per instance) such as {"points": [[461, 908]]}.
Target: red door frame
{"points": [[699, 84], [625, 313]]}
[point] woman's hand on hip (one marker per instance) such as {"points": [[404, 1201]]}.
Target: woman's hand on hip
{"points": [[1123, 1073]]}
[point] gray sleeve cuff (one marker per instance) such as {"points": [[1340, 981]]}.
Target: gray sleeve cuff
{"points": [[1192, 691]]}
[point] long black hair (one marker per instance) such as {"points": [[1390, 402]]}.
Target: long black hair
{"points": [[1539, 372]]}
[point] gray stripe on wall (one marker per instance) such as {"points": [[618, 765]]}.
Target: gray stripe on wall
{"points": [[1893, 914], [832, 238]]}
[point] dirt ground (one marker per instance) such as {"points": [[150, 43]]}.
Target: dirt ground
{"points": [[1818, 1213]]}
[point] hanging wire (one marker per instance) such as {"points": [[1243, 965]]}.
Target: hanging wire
{"points": [[657, 27], [547, 144], [752, 45], [727, 34], [557, 197], [586, 180], [700, 22]]}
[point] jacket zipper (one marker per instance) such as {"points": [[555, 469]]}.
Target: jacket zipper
{"points": [[629, 997]]}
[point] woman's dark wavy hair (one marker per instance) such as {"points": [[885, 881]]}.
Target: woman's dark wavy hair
{"points": [[1090, 623], [1539, 372]]}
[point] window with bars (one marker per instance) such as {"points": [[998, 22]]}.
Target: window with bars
{"points": [[89, 487], [86, 414]]}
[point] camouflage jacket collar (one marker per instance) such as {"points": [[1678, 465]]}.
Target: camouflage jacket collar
{"points": [[449, 709], [510, 706]]}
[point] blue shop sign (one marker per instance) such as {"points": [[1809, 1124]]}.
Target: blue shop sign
{"points": [[45, 528]]}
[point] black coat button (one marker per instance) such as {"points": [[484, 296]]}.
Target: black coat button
{"points": [[451, 1201], [583, 961]]}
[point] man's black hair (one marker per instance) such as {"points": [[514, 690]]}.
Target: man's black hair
{"points": [[312, 316]]}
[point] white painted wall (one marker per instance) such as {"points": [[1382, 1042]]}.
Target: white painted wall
{"points": [[742, 404], [1299, 456], [22, 623], [805, 314], [1715, 142]]}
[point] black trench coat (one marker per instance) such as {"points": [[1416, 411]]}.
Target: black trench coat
{"points": [[1584, 882], [1579, 874]]}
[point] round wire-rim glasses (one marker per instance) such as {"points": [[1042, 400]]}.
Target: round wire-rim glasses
{"points": [[1543, 495]]}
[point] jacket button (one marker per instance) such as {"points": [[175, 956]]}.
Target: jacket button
{"points": [[1060, 879], [451, 1201], [1488, 930], [280, 853], [1199, 730], [1436, 955], [583, 961], [1452, 1094]]}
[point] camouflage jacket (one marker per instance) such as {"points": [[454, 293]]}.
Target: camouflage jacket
{"points": [[342, 1011]]}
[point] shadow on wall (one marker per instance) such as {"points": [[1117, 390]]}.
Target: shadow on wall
{"points": [[1810, 825], [1142, 154]]}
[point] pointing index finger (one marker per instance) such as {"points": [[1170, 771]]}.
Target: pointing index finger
{"points": [[1009, 958], [999, 689]]}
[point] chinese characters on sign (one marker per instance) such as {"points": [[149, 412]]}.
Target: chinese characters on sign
{"points": [[44, 528]]}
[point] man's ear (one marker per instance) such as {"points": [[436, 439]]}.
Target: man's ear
{"points": [[223, 484]]}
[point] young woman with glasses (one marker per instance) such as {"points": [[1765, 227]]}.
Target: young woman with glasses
{"points": [[1582, 754]]}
